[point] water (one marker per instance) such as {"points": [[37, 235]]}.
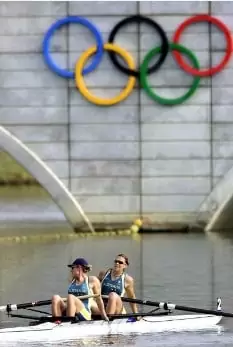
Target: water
{"points": [[188, 269]]}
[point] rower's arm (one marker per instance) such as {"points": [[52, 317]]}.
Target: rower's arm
{"points": [[131, 293], [97, 290]]}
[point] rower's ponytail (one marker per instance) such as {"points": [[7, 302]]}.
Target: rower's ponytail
{"points": [[87, 268]]}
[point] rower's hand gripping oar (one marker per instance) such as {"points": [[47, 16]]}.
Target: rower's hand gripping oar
{"points": [[170, 306], [14, 307]]}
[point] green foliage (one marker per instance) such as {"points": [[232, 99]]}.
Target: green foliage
{"points": [[11, 171]]}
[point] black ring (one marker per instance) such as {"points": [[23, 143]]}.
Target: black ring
{"points": [[156, 26]]}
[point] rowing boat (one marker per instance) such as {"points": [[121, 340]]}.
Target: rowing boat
{"points": [[48, 329], [53, 332]]}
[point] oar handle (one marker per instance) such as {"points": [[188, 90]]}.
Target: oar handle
{"points": [[83, 297]]}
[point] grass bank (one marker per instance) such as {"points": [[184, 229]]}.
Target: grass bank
{"points": [[12, 173]]}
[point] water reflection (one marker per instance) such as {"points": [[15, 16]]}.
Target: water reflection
{"points": [[170, 267]]}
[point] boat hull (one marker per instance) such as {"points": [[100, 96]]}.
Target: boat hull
{"points": [[51, 332]]}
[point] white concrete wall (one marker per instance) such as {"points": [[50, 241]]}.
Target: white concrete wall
{"points": [[137, 157]]}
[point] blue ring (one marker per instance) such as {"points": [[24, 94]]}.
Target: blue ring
{"points": [[46, 43]]}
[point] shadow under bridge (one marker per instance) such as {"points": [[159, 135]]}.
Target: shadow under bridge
{"points": [[45, 176]]}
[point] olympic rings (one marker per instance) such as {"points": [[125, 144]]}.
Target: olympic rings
{"points": [[213, 70], [138, 19], [79, 80], [98, 51], [148, 89], [57, 25]]}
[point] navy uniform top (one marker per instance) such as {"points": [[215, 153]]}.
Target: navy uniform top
{"points": [[81, 289], [109, 285]]}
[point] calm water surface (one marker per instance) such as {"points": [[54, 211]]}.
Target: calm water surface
{"points": [[189, 269]]}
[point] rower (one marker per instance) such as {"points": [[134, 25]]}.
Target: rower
{"points": [[80, 285], [114, 283]]}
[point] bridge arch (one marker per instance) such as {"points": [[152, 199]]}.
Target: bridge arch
{"points": [[217, 208], [45, 176]]}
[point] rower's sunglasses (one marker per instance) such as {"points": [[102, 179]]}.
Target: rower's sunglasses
{"points": [[75, 267], [119, 262]]}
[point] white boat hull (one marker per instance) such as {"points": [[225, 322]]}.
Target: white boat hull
{"points": [[51, 332]]}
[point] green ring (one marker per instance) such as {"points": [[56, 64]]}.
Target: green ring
{"points": [[144, 77]]}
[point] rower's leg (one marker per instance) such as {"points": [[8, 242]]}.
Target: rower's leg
{"points": [[58, 306], [76, 307], [94, 308], [114, 305]]}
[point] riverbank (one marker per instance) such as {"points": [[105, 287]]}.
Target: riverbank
{"points": [[51, 233]]}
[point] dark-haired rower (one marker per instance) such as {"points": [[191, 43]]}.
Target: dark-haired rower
{"points": [[115, 282]]}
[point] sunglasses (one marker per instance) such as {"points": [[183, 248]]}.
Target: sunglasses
{"points": [[75, 267], [119, 262]]}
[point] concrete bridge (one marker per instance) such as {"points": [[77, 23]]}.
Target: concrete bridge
{"points": [[45, 176], [171, 164]]}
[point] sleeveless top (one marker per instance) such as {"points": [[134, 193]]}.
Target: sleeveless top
{"points": [[81, 289], [109, 285]]}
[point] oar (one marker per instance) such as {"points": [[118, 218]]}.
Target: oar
{"points": [[14, 307], [170, 306]]}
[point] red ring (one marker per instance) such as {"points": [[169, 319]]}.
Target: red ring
{"points": [[213, 70]]}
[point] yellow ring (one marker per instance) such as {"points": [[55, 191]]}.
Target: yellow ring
{"points": [[79, 80]]}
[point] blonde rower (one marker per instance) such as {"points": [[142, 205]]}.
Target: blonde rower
{"points": [[81, 285]]}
